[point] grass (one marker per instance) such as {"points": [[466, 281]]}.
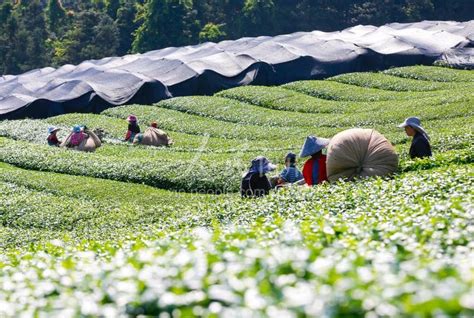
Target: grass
{"points": [[132, 230], [386, 81]]}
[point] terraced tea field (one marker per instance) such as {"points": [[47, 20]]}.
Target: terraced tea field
{"points": [[135, 230]]}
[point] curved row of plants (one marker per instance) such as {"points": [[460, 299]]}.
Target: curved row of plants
{"points": [[216, 137], [387, 81], [432, 73], [346, 249]]}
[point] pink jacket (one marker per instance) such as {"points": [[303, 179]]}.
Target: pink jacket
{"points": [[77, 138]]}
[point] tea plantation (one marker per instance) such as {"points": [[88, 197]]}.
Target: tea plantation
{"points": [[143, 231]]}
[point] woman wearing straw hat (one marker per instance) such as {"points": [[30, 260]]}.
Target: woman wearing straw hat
{"points": [[52, 137], [420, 145], [314, 169], [255, 183]]}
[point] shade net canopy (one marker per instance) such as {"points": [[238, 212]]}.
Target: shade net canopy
{"points": [[204, 69]]}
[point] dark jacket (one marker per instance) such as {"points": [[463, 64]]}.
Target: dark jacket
{"points": [[254, 185], [420, 146], [133, 130]]}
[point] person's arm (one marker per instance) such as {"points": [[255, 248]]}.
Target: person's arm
{"points": [[266, 185], [300, 182], [283, 175], [66, 142], [260, 185], [128, 135], [299, 175]]}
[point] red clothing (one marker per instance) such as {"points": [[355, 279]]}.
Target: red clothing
{"points": [[314, 170], [53, 140], [128, 135]]}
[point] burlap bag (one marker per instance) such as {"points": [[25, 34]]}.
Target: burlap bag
{"points": [[357, 153], [89, 144], [155, 137]]}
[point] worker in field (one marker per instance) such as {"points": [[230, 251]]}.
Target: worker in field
{"points": [[420, 145], [52, 137], [255, 183], [314, 169], [77, 136], [133, 128], [290, 174]]}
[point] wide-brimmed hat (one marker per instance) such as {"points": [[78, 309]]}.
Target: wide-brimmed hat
{"points": [[53, 129], [132, 119], [262, 165], [313, 145], [415, 123], [76, 129]]}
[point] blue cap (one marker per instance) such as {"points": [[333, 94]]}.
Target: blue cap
{"points": [[76, 129], [313, 145]]}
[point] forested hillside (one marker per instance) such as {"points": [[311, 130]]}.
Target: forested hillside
{"points": [[38, 33]]}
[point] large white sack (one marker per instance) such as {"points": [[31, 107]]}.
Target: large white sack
{"points": [[155, 137], [90, 143], [357, 152]]}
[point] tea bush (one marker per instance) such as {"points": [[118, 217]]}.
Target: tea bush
{"points": [[131, 231], [394, 83], [197, 125], [349, 249], [332, 90], [432, 73]]}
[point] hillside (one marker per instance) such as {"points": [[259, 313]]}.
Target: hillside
{"points": [[92, 86], [135, 230]]}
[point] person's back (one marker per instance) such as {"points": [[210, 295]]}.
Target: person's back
{"points": [[420, 146], [133, 128], [314, 169], [290, 174], [52, 137], [255, 183], [77, 138]]}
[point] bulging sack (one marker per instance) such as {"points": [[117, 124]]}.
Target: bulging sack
{"points": [[155, 137], [359, 153], [90, 144]]}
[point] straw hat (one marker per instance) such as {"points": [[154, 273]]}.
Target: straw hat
{"points": [[312, 145], [415, 123]]}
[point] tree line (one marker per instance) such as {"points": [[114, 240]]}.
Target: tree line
{"points": [[38, 33]]}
